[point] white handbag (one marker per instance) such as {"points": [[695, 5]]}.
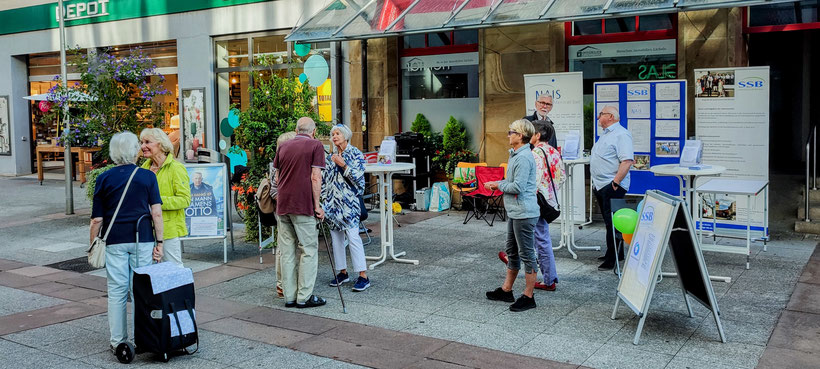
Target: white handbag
{"points": [[96, 253]]}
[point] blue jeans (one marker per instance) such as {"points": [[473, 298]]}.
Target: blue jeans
{"points": [[120, 261], [546, 260], [520, 244]]}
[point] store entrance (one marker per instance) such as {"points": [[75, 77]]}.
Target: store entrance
{"points": [[793, 93]]}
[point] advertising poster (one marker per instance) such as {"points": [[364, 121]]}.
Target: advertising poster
{"points": [[205, 217], [567, 115], [193, 117], [654, 112], [732, 120], [5, 127]]}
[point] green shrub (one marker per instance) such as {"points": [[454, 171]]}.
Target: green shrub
{"points": [[421, 125]]}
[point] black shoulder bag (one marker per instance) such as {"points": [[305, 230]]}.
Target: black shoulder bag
{"points": [[549, 213]]}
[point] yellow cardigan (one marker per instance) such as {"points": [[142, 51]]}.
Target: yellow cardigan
{"points": [[175, 191]]}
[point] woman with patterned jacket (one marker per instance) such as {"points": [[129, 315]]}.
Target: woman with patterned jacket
{"points": [[548, 179], [342, 185]]}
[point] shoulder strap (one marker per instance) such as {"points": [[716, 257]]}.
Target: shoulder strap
{"points": [[552, 179], [110, 225]]}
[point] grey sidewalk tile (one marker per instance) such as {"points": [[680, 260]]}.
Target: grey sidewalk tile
{"points": [[375, 315], [811, 274], [254, 331], [617, 355], [15, 355], [687, 363], [534, 320], [80, 346], [509, 339], [40, 337], [289, 319], [782, 358], [277, 357], [385, 339], [185, 362], [18, 301], [232, 350], [220, 307], [590, 330], [797, 331], [434, 364], [663, 332], [479, 357], [729, 353], [478, 310], [95, 323], [357, 354], [442, 327], [566, 349], [735, 331]]}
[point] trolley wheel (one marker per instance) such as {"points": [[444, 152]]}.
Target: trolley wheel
{"points": [[165, 357], [125, 352]]}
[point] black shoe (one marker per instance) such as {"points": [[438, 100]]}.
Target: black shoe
{"points": [[606, 266], [523, 303], [312, 301], [290, 304], [601, 258], [500, 295]]}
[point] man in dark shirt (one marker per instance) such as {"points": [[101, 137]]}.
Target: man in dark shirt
{"points": [[543, 106], [299, 163]]}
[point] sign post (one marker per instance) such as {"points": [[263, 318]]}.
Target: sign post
{"points": [[663, 221]]}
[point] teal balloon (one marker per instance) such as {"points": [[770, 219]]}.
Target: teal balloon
{"points": [[222, 144], [237, 156], [640, 206], [301, 49], [302, 78], [225, 128], [317, 70], [233, 118], [625, 220]]}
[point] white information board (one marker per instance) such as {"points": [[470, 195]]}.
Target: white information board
{"points": [[732, 120], [208, 215], [567, 115]]}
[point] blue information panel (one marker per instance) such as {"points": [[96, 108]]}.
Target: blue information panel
{"points": [[655, 113]]}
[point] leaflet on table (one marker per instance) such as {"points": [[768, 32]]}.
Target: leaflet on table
{"points": [[692, 153], [571, 145], [387, 152]]}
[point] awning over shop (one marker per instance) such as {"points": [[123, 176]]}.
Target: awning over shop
{"points": [[344, 20]]}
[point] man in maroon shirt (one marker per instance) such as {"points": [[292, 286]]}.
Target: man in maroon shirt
{"points": [[299, 163]]}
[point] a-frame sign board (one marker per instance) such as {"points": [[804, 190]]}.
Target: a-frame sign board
{"points": [[663, 221]]}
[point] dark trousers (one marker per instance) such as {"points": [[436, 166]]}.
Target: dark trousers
{"points": [[603, 196]]}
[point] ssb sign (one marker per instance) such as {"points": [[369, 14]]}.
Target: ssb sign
{"points": [[82, 10]]}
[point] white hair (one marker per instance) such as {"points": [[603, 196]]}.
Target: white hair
{"points": [[305, 125], [158, 135], [614, 112], [346, 133], [123, 148]]}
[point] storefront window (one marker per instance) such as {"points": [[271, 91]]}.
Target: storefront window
{"points": [[618, 25], [439, 39], [783, 14], [414, 41], [232, 53]]}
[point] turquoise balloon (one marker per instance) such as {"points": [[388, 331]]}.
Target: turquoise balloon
{"points": [[640, 206], [316, 70], [302, 78], [625, 220], [225, 128], [237, 156], [222, 144], [233, 118], [301, 49]]}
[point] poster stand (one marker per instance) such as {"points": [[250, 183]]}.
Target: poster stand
{"points": [[663, 221], [200, 219]]}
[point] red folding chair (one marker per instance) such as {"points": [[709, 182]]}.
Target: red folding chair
{"points": [[490, 199]]}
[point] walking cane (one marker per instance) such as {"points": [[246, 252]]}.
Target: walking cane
{"points": [[325, 234]]}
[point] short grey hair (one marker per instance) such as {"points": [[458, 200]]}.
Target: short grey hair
{"points": [[524, 127], [123, 148], [305, 125], [614, 111], [158, 135], [346, 132]]}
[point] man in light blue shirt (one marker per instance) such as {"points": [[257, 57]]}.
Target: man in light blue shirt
{"points": [[612, 156]]}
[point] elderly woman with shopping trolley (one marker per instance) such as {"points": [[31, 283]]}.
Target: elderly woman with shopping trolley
{"points": [[342, 185], [126, 199]]}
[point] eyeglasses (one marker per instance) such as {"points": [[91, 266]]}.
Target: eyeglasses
{"points": [[602, 114], [543, 103], [510, 133]]}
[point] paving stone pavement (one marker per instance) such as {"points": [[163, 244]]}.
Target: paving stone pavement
{"points": [[432, 315]]}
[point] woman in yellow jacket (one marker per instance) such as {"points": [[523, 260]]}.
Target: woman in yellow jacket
{"points": [[174, 189]]}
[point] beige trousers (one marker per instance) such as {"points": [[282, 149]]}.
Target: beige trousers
{"points": [[298, 277]]}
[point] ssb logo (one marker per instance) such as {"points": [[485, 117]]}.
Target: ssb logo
{"points": [[648, 215], [751, 83], [637, 91]]}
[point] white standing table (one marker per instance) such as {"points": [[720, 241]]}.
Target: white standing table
{"points": [[742, 187], [385, 174], [687, 178], [567, 205]]}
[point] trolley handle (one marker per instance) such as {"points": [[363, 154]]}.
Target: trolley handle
{"points": [[138, 237]]}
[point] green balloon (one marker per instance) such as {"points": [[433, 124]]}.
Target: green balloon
{"points": [[225, 128], [625, 220]]}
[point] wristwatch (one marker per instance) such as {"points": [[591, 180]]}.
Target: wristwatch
{"points": [[159, 241]]}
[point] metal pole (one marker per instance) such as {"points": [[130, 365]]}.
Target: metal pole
{"points": [[69, 186], [814, 158], [808, 148]]}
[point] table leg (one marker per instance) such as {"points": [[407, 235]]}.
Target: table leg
{"points": [[766, 217], [749, 230], [589, 220], [382, 225], [391, 244], [571, 222], [40, 166]]}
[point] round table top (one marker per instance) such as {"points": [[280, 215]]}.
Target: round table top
{"points": [[386, 168], [581, 160], [677, 170]]}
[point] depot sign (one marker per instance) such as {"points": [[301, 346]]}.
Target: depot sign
{"points": [[83, 10]]}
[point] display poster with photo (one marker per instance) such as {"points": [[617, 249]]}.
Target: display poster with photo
{"points": [[732, 121], [5, 126], [567, 115], [206, 217], [654, 113], [193, 117]]}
